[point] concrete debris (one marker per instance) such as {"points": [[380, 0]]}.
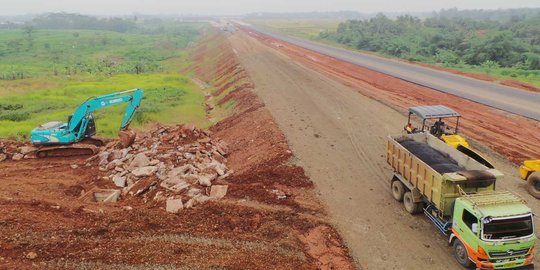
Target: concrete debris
{"points": [[206, 179], [119, 181], [74, 166], [218, 191], [144, 171], [3, 157], [25, 150], [140, 160], [174, 205], [167, 165], [17, 157]]}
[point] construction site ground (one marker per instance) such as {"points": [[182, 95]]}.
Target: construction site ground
{"points": [[270, 217], [336, 117]]}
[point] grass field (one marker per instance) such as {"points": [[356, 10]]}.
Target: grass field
{"points": [[310, 29], [44, 77]]}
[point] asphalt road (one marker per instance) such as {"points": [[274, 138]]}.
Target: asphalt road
{"points": [[509, 99]]}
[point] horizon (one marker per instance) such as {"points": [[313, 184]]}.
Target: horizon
{"points": [[245, 7]]}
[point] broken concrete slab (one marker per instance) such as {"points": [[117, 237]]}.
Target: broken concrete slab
{"points": [[140, 160], [17, 157], [119, 181], [102, 195], [174, 205], [27, 150], [218, 191], [206, 179], [144, 171]]}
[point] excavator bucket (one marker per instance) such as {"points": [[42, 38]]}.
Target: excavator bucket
{"points": [[127, 137]]}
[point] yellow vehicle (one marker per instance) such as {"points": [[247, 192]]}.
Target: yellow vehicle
{"points": [[433, 121], [530, 172]]}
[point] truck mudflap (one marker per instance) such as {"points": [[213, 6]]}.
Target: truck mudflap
{"points": [[482, 262]]}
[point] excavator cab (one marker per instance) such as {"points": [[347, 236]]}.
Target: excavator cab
{"points": [[443, 123], [91, 128]]}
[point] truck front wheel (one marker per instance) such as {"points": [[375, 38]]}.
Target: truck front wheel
{"points": [[398, 190], [461, 255], [411, 206], [533, 184]]}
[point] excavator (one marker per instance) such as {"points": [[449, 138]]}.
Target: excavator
{"points": [[75, 137], [443, 131]]}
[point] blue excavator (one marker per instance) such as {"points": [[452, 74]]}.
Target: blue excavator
{"points": [[75, 137]]}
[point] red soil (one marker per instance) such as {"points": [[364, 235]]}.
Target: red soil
{"points": [[269, 219]]}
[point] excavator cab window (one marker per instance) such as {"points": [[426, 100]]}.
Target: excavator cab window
{"points": [[69, 119], [91, 128]]}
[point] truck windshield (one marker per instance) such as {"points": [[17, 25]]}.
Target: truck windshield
{"points": [[508, 228]]}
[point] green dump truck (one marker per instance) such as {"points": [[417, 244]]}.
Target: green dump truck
{"points": [[488, 229]]}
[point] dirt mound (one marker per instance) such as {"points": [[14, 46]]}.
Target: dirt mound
{"points": [[259, 156]]}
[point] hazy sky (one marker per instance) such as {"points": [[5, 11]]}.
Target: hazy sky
{"points": [[230, 7]]}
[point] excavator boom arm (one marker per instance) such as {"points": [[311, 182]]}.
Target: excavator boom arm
{"points": [[132, 97]]}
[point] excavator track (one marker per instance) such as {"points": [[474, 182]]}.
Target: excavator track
{"points": [[76, 149], [93, 141]]}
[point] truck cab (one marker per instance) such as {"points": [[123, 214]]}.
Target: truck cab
{"points": [[492, 231]]}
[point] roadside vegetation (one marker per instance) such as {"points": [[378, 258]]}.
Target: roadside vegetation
{"points": [[504, 44], [46, 71]]}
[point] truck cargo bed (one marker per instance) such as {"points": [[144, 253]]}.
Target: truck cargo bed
{"points": [[436, 171]]}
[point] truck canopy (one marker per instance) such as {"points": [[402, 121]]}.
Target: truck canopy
{"points": [[497, 204], [435, 111]]}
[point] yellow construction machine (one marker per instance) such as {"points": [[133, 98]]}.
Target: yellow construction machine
{"points": [[433, 121], [530, 172]]}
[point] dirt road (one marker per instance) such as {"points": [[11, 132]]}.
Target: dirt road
{"points": [[338, 137]]}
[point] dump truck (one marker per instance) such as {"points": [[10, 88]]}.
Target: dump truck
{"points": [[488, 229]]}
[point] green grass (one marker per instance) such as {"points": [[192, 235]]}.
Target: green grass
{"points": [[531, 77], [62, 69], [310, 29], [168, 98]]}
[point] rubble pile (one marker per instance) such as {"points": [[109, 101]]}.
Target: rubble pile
{"points": [[16, 151], [177, 166]]}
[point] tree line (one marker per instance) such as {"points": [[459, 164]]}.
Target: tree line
{"points": [[449, 38], [79, 21]]}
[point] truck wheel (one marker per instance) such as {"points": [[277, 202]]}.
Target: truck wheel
{"points": [[461, 255], [410, 205], [398, 190], [533, 184]]}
